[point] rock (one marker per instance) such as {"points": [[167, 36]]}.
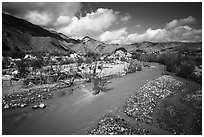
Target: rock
{"points": [[111, 133], [35, 107], [42, 105], [23, 105], [6, 106], [122, 129]]}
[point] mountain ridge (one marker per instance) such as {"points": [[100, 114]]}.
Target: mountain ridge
{"points": [[19, 35]]}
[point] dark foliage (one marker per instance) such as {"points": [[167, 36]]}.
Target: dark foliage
{"points": [[93, 56], [181, 64], [5, 63], [132, 67], [22, 66], [121, 48]]}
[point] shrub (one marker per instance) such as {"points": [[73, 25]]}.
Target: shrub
{"points": [[181, 64], [100, 67], [198, 60], [22, 68], [132, 67], [99, 84], [123, 59], [92, 55], [185, 69], [139, 67], [152, 57], [96, 82], [26, 82], [68, 61], [37, 63], [88, 60], [80, 61], [5, 63]]}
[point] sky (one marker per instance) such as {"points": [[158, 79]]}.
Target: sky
{"points": [[115, 22]]}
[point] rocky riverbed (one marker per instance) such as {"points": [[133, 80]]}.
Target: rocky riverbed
{"points": [[142, 103], [161, 104], [111, 125]]}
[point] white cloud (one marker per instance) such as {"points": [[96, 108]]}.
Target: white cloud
{"points": [[110, 36], [38, 18], [43, 13], [138, 25], [181, 22], [61, 16], [62, 20], [97, 21], [176, 30], [125, 18]]}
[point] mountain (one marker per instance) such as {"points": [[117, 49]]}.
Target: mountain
{"points": [[94, 45], [19, 35], [173, 47]]}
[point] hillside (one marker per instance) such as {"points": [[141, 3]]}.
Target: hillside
{"points": [[166, 47], [19, 35]]}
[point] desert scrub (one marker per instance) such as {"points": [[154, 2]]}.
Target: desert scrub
{"points": [[139, 67], [132, 67], [99, 84]]}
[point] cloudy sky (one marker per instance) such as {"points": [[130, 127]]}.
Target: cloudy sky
{"points": [[113, 22]]}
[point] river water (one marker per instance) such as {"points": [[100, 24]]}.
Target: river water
{"points": [[76, 113]]}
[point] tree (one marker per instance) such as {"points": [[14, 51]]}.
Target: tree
{"points": [[79, 61], [92, 55], [22, 66], [88, 60], [139, 67], [37, 63], [5, 63], [99, 84], [186, 69], [132, 67]]}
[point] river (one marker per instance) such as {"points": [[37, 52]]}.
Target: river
{"points": [[76, 113]]}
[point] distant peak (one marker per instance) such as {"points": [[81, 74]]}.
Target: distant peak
{"points": [[87, 38]]}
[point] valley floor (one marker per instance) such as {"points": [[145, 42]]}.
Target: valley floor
{"points": [[80, 112]]}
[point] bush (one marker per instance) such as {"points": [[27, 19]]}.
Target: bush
{"points": [[5, 63], [96, 82], [26, 82], [92, 55], [139, 67], [22, 66], [88, 60], [152, 57], [17, 54], [99, 84], [132, 67], [37, 63], [123, 59], [79, 61], [185, 70], [181, 64]]}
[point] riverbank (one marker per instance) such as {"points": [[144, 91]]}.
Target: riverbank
{"points": [[81, 111], [159, 107]]}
